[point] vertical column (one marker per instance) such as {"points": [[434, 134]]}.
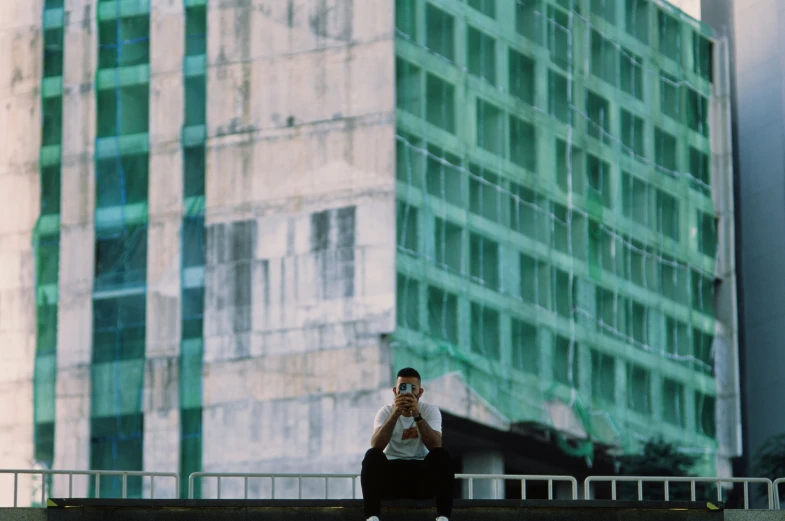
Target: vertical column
{"points": [[72, 425], [161, 400], [484, 462], [20, 129]]}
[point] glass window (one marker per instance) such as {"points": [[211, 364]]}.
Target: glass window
{"points": [[439, 32]]}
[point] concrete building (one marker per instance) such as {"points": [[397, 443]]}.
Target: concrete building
{"points": [[226, 225], [756, 32]]}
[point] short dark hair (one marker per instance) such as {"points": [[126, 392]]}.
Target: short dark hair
{"points": [[408, 372]]}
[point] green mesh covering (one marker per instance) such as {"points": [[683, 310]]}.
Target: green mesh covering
{"points": [[555, 224], [120, 278]]}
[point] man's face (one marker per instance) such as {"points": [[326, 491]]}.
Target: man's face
{"points": [[416, 389]]}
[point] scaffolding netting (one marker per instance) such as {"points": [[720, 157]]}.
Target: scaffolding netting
{"points": [[555, 227]]}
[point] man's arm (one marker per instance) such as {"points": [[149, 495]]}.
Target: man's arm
{"points": [[429, 437], [383, 434]]}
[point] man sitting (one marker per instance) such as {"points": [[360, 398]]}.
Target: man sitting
{"points": [[406, 459]]}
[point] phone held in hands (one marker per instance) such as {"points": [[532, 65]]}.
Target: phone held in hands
{"points": [[405, 389]]}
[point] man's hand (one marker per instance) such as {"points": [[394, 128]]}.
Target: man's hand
{"points": [[405, 405]]}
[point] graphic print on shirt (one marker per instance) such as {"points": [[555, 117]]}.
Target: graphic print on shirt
{"points": [[410, 433]]}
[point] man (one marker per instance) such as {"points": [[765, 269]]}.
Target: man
{"points": [[406, 459]]}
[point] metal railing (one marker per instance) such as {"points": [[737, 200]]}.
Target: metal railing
{"points": [[125, 474], [666, 481], [772, 488], [523, 478], [776, 487], [272, 478]]}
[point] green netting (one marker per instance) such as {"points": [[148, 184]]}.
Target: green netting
{"points": [[555, 227]]}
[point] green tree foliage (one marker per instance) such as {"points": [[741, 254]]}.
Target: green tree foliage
{"points": [[658, 458], [770, 458]]}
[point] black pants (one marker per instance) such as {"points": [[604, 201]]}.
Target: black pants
{"points": [[407, 479]]}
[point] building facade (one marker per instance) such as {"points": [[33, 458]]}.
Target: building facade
{"points": [[227, 223]]}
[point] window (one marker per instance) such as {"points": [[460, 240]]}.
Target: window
{"points": [[407, 87], [677, 337], [697, 109], [119, 328], [707, 234], [565, 362], [121, 180], [702, 345], [535, 281], [669, 31], [604, 58], [529, 213], [609, 309], [47, 256], [440, 103], [195, 30], [52, 125], [121, 259], [637, 322], [525, 347], [490, 127], [559, 33], [631, 73], [190, 448], [445, 178], [559, 98], [568, 174], [50, 190], [699, 167], [448, 240], [409, 159], [669, 97], [603, 377], [675, 283], [46, 329], [668, 218], [666, 149], [523, 144], [193, 171], [123, 42], [116, 443], [485, 193], [405, 17], [193, 237], [123, 111], [635, 197], [44, 435], [406, 218], [702, 293], [563, 290], [486, 7], [485, 331], [192, 306], [53, 4], [53, 52], [522, 77], [637, 19], [484, 259], [673, 402], [439, 32], [407, 300], [599, 119], [638, 389], [632, 134], [481, 55], [195, 100], [702, 51], [605, 9], [598, 176], [528, 19], [706, 414], [443, 315]]}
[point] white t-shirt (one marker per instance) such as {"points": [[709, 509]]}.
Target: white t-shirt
{"points": [[405, 442]]}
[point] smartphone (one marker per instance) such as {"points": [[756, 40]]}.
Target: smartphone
{"points": [[405, 389]]}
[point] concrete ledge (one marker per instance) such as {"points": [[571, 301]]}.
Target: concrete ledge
{"points": [[340, 510]]}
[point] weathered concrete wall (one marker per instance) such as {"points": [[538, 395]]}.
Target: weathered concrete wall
{"points": [[161, 404], [20, 137], [74, 341], [300, 275]]}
